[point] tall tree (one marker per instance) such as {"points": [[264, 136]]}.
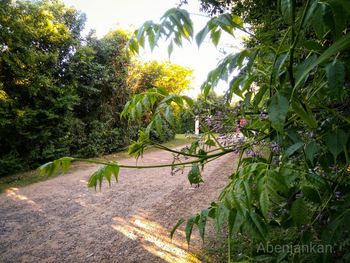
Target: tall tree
{"points": [[99, 70], [37, 40], [153, 74]]}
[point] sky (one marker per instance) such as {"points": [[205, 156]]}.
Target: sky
{"points": [[106, 15]]}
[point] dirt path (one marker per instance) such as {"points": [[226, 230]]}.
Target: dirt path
{"points": [[61, 220]]}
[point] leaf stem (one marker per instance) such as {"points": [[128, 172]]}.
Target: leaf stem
{"points": [[295, 39], [153, 166]]}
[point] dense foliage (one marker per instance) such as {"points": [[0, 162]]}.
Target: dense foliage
{"points": [[294, 83], [37, 42], [62, 94], [170, 77], [212, 111], [99, 71], [153, 74], [291, 184]]}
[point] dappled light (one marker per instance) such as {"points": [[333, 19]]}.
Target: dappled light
{"points": [[264, 159], [82, 181], [14, 194], [154, 238]]}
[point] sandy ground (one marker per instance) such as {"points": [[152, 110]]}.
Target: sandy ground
{"points": [[62, 220]]}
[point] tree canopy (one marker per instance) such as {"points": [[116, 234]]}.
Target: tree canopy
{"points": [[62, 93], [153, 74], [37, 42]]}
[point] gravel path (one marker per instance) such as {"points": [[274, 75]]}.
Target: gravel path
{"points": [[61, 220]]}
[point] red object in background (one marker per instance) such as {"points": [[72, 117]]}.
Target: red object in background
{"points": [[243, 122]]}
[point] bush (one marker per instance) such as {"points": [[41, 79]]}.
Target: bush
{"points": [[11, 163], [185, 123], [167, 134]]}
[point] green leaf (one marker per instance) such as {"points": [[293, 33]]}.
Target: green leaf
{"points": [[221, 216], [137, 148], [264, 202], [237, 21], [287, 10], [304, 65], [188, 229], [276, 70], [247, 192], [292, 149], [312, 194], [65, 163], [151, 38], [305, 114], [228, 22], [61, 164], [339, 15], [257, 226], [247, 83], [206, 88], [194, 176], [335, 77], [338, 225], [234, 88], [312, 45], [329, 20], [96, 177], [317, 181], [179, 223], [114, 169], [139, 110], [238, 204], [215, 37], [169, 115], [236, 220], [276, 182], [158, 123], [258, 97], [317, 20], [48, 168], [145, 102], [200, 37], [202, 222], [338, 46], [311, 149], [299, 212], [294, 135], [188, 100], [175, 25], [310, 13], [335, 141], [346, 6], [133, 45], [210, 143], [105, 171], [277, 110]]}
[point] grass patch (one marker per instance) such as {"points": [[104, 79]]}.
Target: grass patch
{"points": [[30, 177], [180, 139]]}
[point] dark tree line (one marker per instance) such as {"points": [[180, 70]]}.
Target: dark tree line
{"points": [[60, 93]]}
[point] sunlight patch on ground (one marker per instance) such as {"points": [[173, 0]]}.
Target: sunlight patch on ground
{"points": [[14, 195], [154, 238]]}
